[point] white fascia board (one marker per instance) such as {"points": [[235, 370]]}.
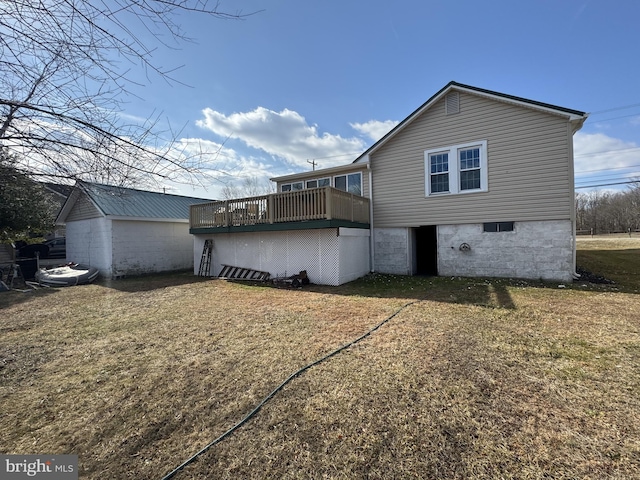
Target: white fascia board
{"points": [[578, 122]]}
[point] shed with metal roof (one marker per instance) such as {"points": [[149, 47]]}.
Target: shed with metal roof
{"points": [[125, 231]]}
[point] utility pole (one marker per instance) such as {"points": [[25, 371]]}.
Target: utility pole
{"points": [[313, 163]]}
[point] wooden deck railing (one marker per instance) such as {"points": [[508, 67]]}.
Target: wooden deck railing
{"points": [[326, 203]]}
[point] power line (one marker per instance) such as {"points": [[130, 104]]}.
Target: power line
{"points": [[608, 184], [607, 169], [616, 118], [607, 151], [615, 108], [604, 174], [594, 181]]}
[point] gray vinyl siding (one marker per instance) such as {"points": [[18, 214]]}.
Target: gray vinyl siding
{"points": [[529, 166], [83, 209]]}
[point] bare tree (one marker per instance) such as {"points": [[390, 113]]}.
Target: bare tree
{"points": [[605, 212], [249, 187], [65, 68]]}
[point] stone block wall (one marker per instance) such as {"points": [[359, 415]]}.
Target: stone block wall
{"points": [[89, 243], [141, 247], [534, 250], [391, 251]]}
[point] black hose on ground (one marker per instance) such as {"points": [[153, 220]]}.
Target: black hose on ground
{"points": [[277, 389]]}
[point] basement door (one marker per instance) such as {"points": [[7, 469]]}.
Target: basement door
{"points": [[426, 250]]}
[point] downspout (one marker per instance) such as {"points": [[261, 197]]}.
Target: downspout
{"points": [[574, 125], [372, 248]]}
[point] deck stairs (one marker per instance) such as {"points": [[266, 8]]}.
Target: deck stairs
{"points": [[240, 273]]}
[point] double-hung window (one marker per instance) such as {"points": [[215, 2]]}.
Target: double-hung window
{"points": [[456, 169], [469, 168], [439, 172]]}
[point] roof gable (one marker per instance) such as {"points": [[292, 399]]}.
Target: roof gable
{"points": [[129, 202], [576, 117]]}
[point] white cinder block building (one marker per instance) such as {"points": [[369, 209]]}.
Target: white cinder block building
{"points": [[472, 183], [123, 231]]}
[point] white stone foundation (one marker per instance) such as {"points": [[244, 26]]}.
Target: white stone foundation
{"points": [[391, 251], [534, 250]]}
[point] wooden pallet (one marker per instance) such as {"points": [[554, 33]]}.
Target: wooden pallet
{"points": [[240, 273]]}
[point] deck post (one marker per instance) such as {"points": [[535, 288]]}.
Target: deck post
{"points": [[270, 208], [353, 207], [329, 204]]}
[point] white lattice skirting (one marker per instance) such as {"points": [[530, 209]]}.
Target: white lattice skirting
{"points": [[331, 256]]}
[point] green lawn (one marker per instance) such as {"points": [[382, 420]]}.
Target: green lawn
{"points": [[614, 257]]}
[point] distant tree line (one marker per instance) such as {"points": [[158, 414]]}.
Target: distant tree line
{"points": [[600, 212]]}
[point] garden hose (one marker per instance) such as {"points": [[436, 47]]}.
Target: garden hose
{"points": [[277, 389]]}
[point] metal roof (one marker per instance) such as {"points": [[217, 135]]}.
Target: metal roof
{"points": [[128, 202]]}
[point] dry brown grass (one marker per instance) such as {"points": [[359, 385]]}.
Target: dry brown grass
{"points": [[480, 379]]}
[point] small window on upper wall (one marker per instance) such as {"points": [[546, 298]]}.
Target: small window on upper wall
{"points": [[493, 227]]}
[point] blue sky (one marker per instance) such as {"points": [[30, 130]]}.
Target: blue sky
{"points": [[301, 80]]}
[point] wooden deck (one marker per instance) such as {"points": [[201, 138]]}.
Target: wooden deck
{"points": [[326, 203]]}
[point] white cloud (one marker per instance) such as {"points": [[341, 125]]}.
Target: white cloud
{"points": [[284, 134], [597, 151], [374, 129], [601, 160], [218, 166]]}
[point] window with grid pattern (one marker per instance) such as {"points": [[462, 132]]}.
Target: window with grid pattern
{"points": [[439, 165], [456, 169], [469, 168]]}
